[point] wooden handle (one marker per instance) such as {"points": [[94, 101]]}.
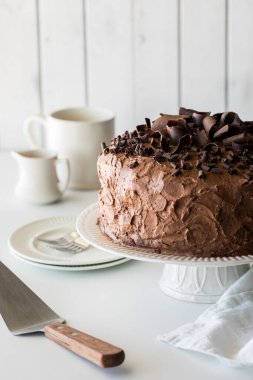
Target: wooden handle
{"points": [[97, 351]]}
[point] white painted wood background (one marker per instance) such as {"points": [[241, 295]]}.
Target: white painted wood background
{"points": [[136, 57]]}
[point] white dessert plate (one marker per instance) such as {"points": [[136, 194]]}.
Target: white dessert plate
{"points": [[23, 244], [89, 230], [73, 268]]}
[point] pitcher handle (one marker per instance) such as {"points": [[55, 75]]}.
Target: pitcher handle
{"points": [[63, 184], [29, 130]]}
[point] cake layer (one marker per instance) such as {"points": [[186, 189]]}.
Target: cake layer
{"points": [[147, 206]]}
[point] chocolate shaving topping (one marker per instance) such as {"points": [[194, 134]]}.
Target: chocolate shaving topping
{"points": [[134, 165], [225, 165], [141, 128], [247, 176], [173, 165], [241, 138], [222, 132], [148, 151], [209, 124], [212, 148], [165, 145], [230, 118], [148, 122], [176, 172], [184, 141], [176, 132], [232, 171], [198, 117], [187, 166], [237, 147], [215, 170], [161, 123], [201, 138], [192, 140], [188, 111], [204, 155], [104, 148], [201, 174], [145, 138], [186, 156], [205, 168], [160, 159]]}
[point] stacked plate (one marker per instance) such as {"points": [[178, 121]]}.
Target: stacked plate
{"points": [[24, 244]]}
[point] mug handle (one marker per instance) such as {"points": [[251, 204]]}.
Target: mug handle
{"points": [[64, 183], [29, 131]]}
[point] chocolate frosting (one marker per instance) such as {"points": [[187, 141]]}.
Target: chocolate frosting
{"points": [[193, 198]]}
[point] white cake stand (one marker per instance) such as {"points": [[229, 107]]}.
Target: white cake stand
{"points": [[191, 279]]}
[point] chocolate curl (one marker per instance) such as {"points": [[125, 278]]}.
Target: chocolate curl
{"points": [[217, 116], [156, 140], [209, 124], [134, 165], [221, 132], [180, 122], [230, 118], [165, 145], [141, 128], [211, 148], [200, 139], [190, 112], [175, 117], [198, 118], [237, 147], [148, 123], [144, 138], [148, 152], [247, 126], [191, 126], [183, 142], [164, 133], [104, 147], [160, 159], [176, 132], [161, 123], [241, 138]]}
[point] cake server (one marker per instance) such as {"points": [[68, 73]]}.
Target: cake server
{"points": [[24, 312]]}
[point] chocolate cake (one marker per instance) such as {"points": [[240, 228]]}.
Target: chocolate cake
{"points": [[180, 185]]}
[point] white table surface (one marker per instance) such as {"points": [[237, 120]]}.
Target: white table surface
{"points": [[122, 304]]}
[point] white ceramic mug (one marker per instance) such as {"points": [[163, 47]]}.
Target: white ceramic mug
{"points": [[38, 176], [75, 134]]}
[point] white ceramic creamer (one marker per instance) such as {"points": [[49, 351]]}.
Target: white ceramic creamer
{"points": [[38, 180]]}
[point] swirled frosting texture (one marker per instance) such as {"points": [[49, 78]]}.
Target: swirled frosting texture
{"points": [[145, 205]]}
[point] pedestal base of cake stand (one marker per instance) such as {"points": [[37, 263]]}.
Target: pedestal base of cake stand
{"points": [[201, 284]]}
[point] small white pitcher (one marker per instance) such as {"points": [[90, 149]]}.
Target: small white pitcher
{"points": [[38, 180]]}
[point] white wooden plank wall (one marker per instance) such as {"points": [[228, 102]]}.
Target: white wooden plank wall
{"points": [[240, 57], [136, 57], [19, 68], [62, 54], [109, 57], [155, 64], [203, 54]]}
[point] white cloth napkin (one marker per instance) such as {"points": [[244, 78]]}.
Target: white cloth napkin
{"points": [[224, 330]]}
